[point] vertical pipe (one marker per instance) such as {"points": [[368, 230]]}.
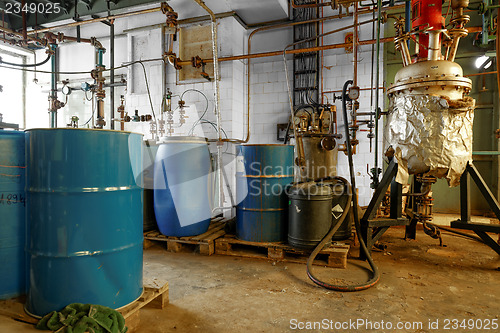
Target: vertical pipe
{"points": [[25, 81], [377, 82], [355, 44], [434, 52], [112, 73], [217, 100], [53, 86], [408, 20]]}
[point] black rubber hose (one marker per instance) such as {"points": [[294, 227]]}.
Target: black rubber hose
{"points": [[352, 192], [26, 65]]}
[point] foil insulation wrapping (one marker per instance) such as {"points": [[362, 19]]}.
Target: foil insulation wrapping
{"points": [[429, 134]]}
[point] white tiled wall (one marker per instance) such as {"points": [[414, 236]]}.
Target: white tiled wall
{"points": [[270, 104]]}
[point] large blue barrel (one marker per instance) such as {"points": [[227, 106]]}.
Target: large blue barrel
{"points": [[84, 213], [181, 194], [12, 220], [262, 176]]}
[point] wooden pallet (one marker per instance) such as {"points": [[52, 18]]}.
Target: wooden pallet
{"points": [[333, 256], [155, 295], [203, 243], [14, 308]]}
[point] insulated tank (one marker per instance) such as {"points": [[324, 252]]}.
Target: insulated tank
{"points": [[84, 213], [181, 193], [263, 174], [12, 214]]}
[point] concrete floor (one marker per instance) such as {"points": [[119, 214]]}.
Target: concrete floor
{"points": [[420, 282]]}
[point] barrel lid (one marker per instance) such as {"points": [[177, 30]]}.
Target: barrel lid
{"points": [[310, 189], [182, 139]]}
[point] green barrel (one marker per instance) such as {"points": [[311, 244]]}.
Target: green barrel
{"points": [[310, 218], [262, 177]]}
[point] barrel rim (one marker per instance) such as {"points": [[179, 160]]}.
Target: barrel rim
{"points": [[81, 129], [12, 132], [181, 138]]}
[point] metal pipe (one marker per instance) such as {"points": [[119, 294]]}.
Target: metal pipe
{"points": [[20, 35], [322, 4], [434, 52], [112, 72], [377, 83], [294, 51], [53, 87], [95, 20], [407, 21], [355, 44], [215, 55], [249, 48], [484, 73]]}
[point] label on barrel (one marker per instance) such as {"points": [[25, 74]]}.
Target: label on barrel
{"points": [[337, 211], [12, 199]]}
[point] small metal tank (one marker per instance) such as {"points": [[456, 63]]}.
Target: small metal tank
{"points": [[12, 214], [263, 173], [181, 194], [309, 214], [320, 155], [84, 214]]}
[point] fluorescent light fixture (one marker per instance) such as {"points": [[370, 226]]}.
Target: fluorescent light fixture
{"points": [[483, 62]]}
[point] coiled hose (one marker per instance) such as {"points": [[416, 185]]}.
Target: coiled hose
{"points": [[352, 198]]}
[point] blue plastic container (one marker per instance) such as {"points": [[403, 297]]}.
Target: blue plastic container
{"points": [[12, 216], [262, 177], [84, 214], [181, 194]]}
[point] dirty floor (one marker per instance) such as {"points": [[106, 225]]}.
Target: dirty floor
{"points": [[421, 285]]}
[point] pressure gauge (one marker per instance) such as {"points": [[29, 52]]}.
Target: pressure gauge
{"points": [[353, 92], [66, 90]]}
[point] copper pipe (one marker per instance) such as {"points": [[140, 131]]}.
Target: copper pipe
{"points": [[20, 35], [322, 4], [249, 44], [99, 19], [294, 51], [485, 73], [334, 91], [74, 39], [355, 46]]}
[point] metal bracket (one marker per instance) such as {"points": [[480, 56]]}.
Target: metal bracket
{"points": [[373, 228], [480, 229]]}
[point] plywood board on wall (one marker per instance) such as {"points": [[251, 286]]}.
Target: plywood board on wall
{"points": [[195, 41]]}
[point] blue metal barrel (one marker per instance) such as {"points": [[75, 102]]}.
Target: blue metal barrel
{"points": [[181, 194], [262, 177], [84, 213], [12, 216]]}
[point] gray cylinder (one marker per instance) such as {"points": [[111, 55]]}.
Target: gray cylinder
{"points": [[309, 214]]}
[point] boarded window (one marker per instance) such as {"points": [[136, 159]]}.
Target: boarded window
{"points": [[195, 41]]}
